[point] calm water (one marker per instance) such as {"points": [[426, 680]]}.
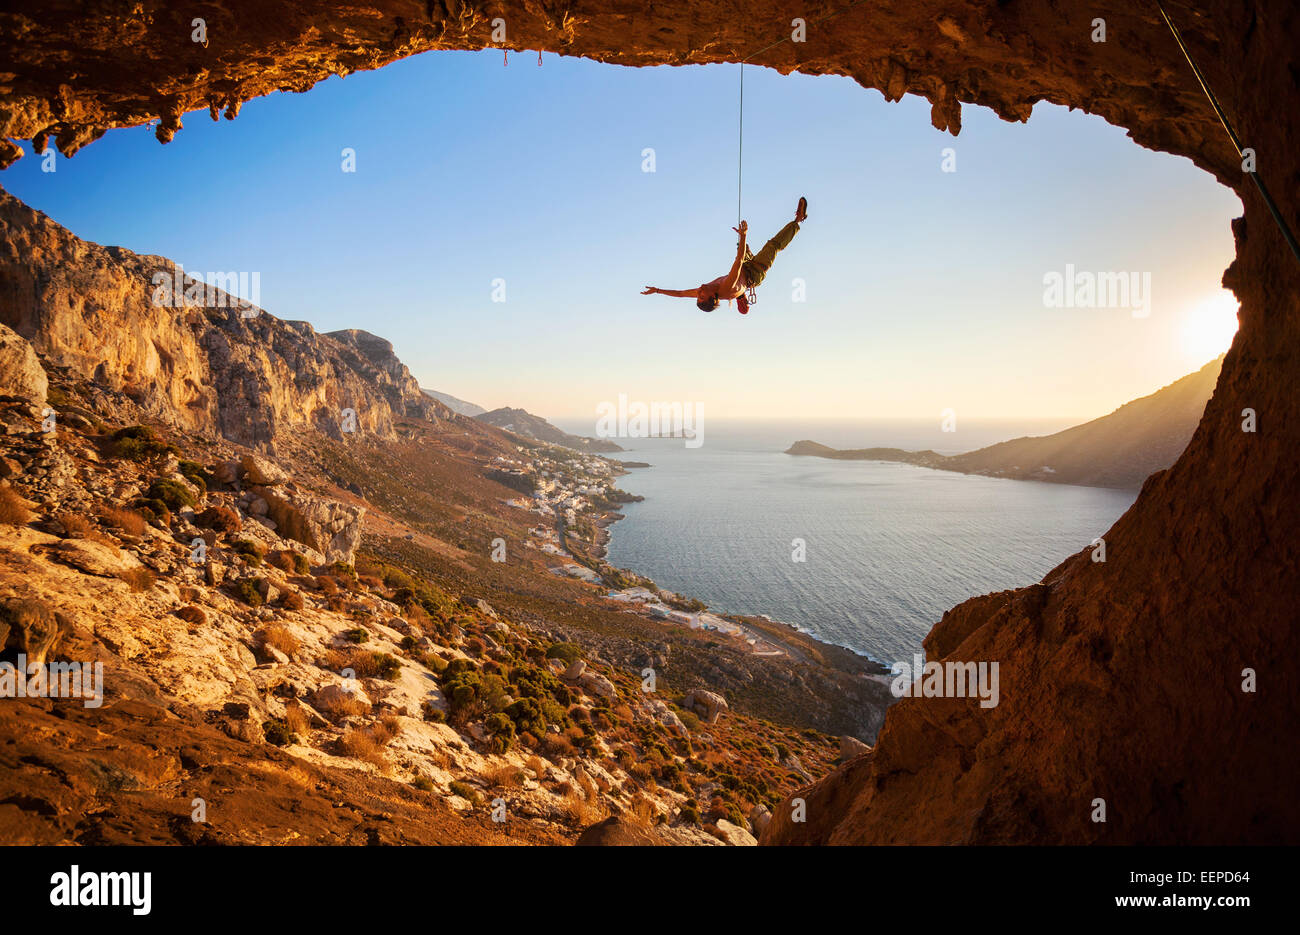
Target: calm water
{"points": [[889, 547]]}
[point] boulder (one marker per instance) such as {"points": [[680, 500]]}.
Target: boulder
{"points": [[670, 720], [327, 526], [734, 834], [30, 627], [617, 832], [596, 684], [575, 670], [95, 558], [709, 705], [851, 747], [225, 472], [759, 818], [332, 694], [260, 472], [21, 373]]}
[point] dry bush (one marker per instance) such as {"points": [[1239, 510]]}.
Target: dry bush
{"points": [[280, 637], [643, 813], [138, 579], [556, 746], [328, 584], [291, 600], [537, 765], [371, 582], [440, 758], [75, 525], [337, 708], [13, 508], [129, 521], [583, 807], [502, 775], [361, 745], [219, 518], [192, 614], [281, 559], [387, 728], [297, 719]]}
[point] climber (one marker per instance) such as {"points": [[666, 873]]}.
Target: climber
{"points": [[746, 273]]}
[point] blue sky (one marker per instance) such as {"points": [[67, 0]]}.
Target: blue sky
{"points": [[924, 288]]}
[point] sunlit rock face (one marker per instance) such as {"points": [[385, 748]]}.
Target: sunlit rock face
{"points": [[194, 357], [1120, 680]]}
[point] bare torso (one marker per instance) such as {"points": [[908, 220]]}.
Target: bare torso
{"points": [[721, 282]]}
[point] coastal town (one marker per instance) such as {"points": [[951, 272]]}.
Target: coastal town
{"points": [[577, 494]]}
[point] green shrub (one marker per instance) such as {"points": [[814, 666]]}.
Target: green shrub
{"points": [[173, 493], [465, 791], [502, 731], [252, 552], [246, 588], [423, 783], [154, 510], [137, 443], [278, 732], [359, 635], [569, 652], [193, 472]]}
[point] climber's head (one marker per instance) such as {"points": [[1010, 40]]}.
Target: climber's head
{"points": [[706, 298]]}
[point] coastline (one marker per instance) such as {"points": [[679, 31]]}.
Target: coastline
{"points": [[792, 640]]}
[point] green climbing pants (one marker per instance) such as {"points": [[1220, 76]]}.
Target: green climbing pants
{"points": [[756, 267]]}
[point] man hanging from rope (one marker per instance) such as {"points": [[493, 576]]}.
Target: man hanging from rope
{"points": [[746, 273]]}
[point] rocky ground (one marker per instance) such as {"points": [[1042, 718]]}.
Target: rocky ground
{"points": [[262, 658]]}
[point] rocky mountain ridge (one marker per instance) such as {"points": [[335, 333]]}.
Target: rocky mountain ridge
{"points": [[1121, 449], [212, 367]]}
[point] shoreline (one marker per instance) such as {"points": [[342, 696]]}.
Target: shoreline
{"points": [[782, 633]]}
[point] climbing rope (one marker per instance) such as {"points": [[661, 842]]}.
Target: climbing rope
{"points": [[740, 156], [1232, 135], [1273, 209]]}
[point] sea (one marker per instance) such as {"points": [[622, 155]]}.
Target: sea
{"points": [[867, 555]]}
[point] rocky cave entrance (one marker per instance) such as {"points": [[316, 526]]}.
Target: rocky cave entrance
{"points": [[1121, 680]]}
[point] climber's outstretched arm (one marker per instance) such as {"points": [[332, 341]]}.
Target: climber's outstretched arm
{"points": [[679, 293], [733, 277]]}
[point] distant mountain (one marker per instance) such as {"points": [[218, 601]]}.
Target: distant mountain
{"points": [[531, 426], [455, 405], [1120, 450]]}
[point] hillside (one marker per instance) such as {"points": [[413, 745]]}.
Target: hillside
{"points": [[310, 628], [454, 403], [1120, 450], [534, 427]]}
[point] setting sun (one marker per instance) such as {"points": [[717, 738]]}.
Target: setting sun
{"points": [[1210, 326]]}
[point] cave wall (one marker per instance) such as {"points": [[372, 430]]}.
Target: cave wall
{"points": [[1119, 680]]}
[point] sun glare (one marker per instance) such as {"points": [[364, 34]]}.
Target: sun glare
{"points": [[1210, 326]]}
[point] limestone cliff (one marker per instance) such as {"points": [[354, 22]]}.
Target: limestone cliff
{"points": [[215, 368]]}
